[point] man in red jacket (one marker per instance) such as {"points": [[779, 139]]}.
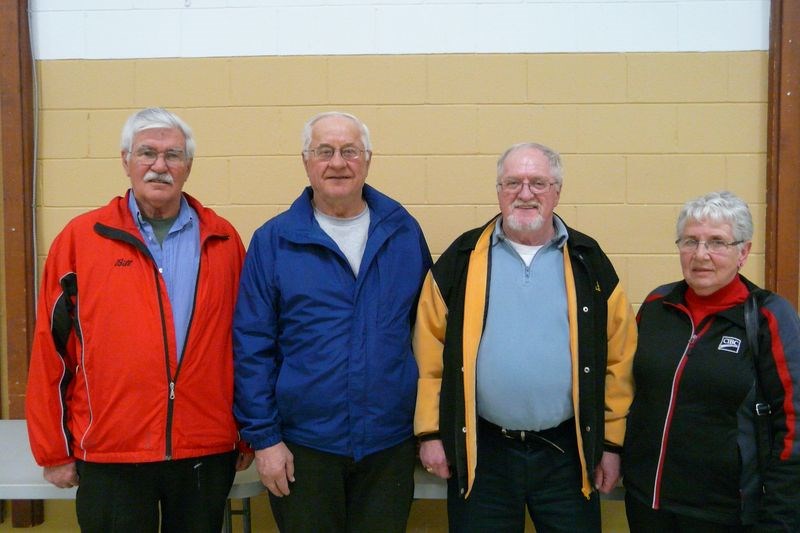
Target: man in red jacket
{"points": [[130, 387]]}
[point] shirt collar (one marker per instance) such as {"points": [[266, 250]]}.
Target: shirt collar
{"points": [[558, 241], [184, 214]]}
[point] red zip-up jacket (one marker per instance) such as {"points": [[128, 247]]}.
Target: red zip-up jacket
{"points": [[104, 382]]}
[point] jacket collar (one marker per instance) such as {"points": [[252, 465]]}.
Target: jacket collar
{"points": [[117, 215], [386, 217], [563, 234], [559, 238], [675, 296], [303, 227], [675, 292]]}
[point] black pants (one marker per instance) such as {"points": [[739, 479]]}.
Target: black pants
{"points": [[182, 495], [543, 476], [335, 494], [644, 519]]}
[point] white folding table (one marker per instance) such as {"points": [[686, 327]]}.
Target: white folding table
{"points": [[21, 478]]}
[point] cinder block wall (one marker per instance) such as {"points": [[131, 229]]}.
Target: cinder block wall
{"points": [[640, 134]]}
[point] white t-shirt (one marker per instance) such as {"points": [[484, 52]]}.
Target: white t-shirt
{"points": [[526, 252], [349, 234]]}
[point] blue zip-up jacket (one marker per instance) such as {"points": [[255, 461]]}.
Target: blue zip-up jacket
{"points": [[323, 358]]}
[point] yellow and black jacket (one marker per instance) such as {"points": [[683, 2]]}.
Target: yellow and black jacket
{"points": [[450, 321]]}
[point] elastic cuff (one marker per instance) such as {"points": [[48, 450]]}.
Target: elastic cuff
{"points": [[612, 448]]}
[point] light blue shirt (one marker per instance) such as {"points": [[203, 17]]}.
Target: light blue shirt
{"points": [[524, 366], [178, 260]]}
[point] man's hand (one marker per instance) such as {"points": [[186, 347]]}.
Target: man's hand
{"points": [[275, 467], [62, 476], [431, 454], [606, 474], [243, 460]]}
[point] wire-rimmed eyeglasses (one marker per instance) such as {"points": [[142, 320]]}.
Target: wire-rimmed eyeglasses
{"points": [[713, 246], [148, 156], [513, 186], [326, 153]]}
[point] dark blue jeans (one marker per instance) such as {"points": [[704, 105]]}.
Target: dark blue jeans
{"points": [[335, 494], [512, 475]]}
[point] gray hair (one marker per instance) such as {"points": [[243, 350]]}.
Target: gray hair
{"points": [[718, 207], [155, 117], [556, 166], [362, 128]]}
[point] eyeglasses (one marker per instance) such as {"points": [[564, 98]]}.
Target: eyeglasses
{"points": [[326, 153], [713, 246], [515, 186], [148, 156]]}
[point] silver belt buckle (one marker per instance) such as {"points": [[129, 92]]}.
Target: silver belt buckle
{"points": [[504, 431]]}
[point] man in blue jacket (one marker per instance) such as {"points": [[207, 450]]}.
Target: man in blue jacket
{"points": [[325, 376]]}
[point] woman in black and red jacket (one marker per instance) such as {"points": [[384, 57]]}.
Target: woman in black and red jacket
{"points": [[691, 458]]}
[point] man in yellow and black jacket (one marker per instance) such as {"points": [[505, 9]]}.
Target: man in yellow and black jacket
{"points": [[524, 340]]}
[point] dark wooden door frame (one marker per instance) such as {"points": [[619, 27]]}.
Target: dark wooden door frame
{"points": [[783, 152], [17, 171], [16, 132]]}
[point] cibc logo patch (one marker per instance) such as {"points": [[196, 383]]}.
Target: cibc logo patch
{"points": [[730, 344]]}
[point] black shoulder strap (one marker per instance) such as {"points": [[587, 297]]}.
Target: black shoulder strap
{"points": [[751, 323], [762, 406], [751, 327]]}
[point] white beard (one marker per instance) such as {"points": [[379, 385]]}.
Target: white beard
{"points": [[528, 225]]}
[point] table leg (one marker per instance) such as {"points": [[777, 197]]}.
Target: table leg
{"points": [[227, 526], [246, 514]]}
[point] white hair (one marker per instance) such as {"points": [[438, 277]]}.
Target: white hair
{"points": [[155, 117], [556, 165], [362, 128], [718, 207]]}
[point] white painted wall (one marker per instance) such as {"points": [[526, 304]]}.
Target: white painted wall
{"points": [[109, 29]]}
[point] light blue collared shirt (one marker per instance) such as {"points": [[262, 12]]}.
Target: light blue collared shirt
{"points": [[178, 260]]}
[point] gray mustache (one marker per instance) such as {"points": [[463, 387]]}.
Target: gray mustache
{"points": [[159, 178]]}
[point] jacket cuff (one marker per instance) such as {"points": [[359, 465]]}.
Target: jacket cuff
{"points": [[430, 436], [612, 448], [262, 442]]}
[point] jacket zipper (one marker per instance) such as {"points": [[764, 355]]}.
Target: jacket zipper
{"points": [[676, 379], [668, 421], [137, 243], [172, 380]]}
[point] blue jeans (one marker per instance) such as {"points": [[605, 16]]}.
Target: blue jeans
{"points": [[512, 475]]}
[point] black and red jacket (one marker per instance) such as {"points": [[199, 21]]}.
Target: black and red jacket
{"points": [[691, 447]]}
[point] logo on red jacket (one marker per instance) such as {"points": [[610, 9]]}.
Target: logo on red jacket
{"points": [[730, 344]]}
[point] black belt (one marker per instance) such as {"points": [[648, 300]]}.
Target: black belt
{"points": [[551, 437]]}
